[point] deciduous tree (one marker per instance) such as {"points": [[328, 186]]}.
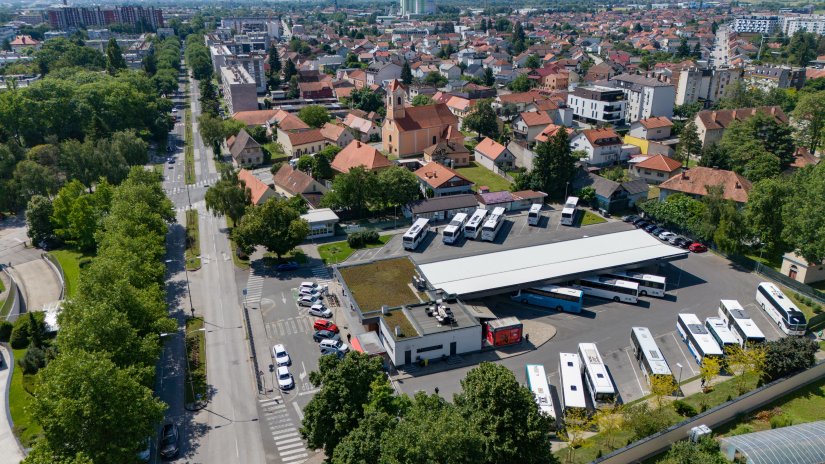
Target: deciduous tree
{"points": [[274, 225], [689, 143], [609, 421], [353, 190], [38, 219], [229, 196], [483, 120], [314, 115], [114, 57], [810, 114], [804, 214], [554, 165], [422, 100], [788, 355], [398, 186], [660, 387], [709, 370]]}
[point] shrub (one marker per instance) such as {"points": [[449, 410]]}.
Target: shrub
{"points": [[684, 409], [768, 414], [83, 262], [5, 331], [362, 239], [34, 360], [742, 429], [20, 333], [782, 420]]}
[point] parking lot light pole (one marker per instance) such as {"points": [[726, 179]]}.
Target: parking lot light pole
{"points": [[679, 382]]}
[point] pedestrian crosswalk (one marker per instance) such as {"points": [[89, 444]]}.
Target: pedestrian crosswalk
{"points": [[321, 273], [254, 286], [289, 326], [278, 423]]}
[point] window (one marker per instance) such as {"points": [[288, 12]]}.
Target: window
{"points": [[429, 348], [433, 140], [660, 174], [399, 100], [390, 137]]}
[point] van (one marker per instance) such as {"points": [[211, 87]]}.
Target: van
{"points": [[333, 344]]}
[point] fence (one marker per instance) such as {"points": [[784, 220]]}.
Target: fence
{"points": [[720, 415]]}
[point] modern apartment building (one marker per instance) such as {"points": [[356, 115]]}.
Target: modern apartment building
{"points": [[808, 23], [705, 84], [65, 17], [759, 24], [646, 96], [598, 104], [772, 77], [239, 90]]}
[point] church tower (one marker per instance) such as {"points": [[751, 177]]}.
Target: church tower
{"points": [[395, 100]]}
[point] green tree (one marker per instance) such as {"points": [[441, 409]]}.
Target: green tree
{"points": [[38, 219], [660, 387], [33, 179], [802, 48], [683, 50], [482, 119], [520, 84], [435, 79], [810, 115], [709, 370], [587, 195], [314, 115], [211, 129], [133, 149], [406, 73], [489, 78], [504, 412], [422, 100], [642, 420], [365, 99], [274, 60], [229, 196], [554, 165], [289, 70], [533, 62], [609, 421], [788, 355], [114, 57], [294, 91], [687, 452], [804, 214], [759, 130], [353, 190], [398, 186], [763, 212], [86, 404], [274, 225], [344, 387], [714, 155], [743, 362], [322, 165], [689, 143]]}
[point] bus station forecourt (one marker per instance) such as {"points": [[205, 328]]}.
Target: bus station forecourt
{"points": [[695, 284]]}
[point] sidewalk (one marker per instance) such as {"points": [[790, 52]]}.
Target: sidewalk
{"points": [[10, 451]]}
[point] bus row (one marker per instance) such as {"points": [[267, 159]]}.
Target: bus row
{"points": [[577, 371]]}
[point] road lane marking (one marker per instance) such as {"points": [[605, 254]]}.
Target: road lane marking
{"points": [[287, 440], [298, 410], [292, 446], [295, 458], [292, 451]]}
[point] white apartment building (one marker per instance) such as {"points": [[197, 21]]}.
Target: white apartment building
{"points": [[760, 24], [603, 146], [695, 84], [646, 96], [598, 104], [238, 89], [809, 23]]}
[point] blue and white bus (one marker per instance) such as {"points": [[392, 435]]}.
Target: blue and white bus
{"points": [[781, 309], [608, 288], [697, 337], [602, 391], [552, 296], [537, 382]]}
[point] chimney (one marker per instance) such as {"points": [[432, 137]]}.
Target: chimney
{"points": [[738, 185], [684, 174]]}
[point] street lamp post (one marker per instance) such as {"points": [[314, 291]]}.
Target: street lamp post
{"points": [[679, 382], [566, 184], [186, 356]]}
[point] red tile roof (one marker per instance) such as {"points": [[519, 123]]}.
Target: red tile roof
{"points": [[436, 175], [656, 122], [536, 118], [256, 117], [605, 136], [695, 181], [257, 188], [660, 163], [721, 119], [358, 153], [490, 148], [305, 137], [427, 116], [550, 131]]}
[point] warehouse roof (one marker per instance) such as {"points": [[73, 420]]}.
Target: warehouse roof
{"points": [[501, 271]]}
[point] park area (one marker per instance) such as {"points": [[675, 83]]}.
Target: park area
{"points": [[482, 176], [386, 282], [338, 252]]}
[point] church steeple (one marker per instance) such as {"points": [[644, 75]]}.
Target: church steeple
{"points": [[395, 100]]}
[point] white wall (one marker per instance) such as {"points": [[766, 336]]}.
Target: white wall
{"points": [[467, 340]]}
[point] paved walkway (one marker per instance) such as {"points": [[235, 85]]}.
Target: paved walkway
{"points": [[10, 451], [37, 282]]}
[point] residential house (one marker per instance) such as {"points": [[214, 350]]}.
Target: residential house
{"points": [[711, 124], [695, 182], [646, 96], [611, 196], [460, 107], [408, 131], [321, 222], [798, 268], [305, 142], [362, 128], [337, 134], [442, 208], [287, 122], [655, 169], [600, 72], [438, 180], [551, 77], [450, 71], [768, 78], [550, 130], [603, 146], [378, 73], [529, 124], [493, 155], [652, 136], [598, 104], [360, 154], [22, 42], [449, 153], [259, 191], [315, 90], [291, 182], [255, 117], [245, 150]]}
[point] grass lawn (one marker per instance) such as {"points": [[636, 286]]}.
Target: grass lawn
{"points": [[26, 429], [70, 262], [808, 309], [240, 263], [2, 287], [380, 283], [653, 193], [589, 218], [189, 151], [337, 252], [193, 243], [196, 367], [296, 255], [400, 320], [772, 261], [480, 175]]}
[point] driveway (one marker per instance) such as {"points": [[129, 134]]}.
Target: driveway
{"points": [[9, 447], [38, 283]]}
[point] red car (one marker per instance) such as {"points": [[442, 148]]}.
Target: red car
{"points": [[697, 247], [322, 324]]}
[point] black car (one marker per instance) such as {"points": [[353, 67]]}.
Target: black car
{"points": [[641, 224], [682, 242], [630, 218], [288, 266], [650, 227], [638, 221], [324, 335], [656, 231], [169, 441]]}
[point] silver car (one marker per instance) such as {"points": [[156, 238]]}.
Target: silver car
{"points": [[320, 310]]}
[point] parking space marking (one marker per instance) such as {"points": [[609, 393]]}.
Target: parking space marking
{"points": [[633, 367], [754, 308], [687, 359]]}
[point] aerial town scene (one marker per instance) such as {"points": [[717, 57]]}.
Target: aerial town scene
{"points": [[412, 231]]}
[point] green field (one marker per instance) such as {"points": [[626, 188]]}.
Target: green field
{"points": [[379, 283], [338, 252], [589, 218], [193, 243], [482, 176], [189, 151], [196, 386], [70, 262], [20, 397]]}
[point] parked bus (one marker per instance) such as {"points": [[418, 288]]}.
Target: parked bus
{"points": [[534, 215], [415, 234], [552, 296], [781, 309], [650, 358], [699, 341], [493, 224], [720, 332], [742, 326], [602, 390], [537, 382], [568, 213], [473, 226], [571, 381], [611, 289], [649, 284], [455, 228]]}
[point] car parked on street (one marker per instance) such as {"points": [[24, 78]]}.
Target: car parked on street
{"points": [[630, 218], [697, 247], [313, 286], [319, 310], [285, 380], [323, 324], [656, 231], [326, 351], [682, 242], [650, 227], [281, 356], [169, 438], [666, 235], [320, 335]]}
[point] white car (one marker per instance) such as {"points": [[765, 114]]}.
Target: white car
{"points": [[306, 300], [313, 286], [334, 344], [280, 355], [320, 310], [285, 380], [310, 292], [666, 235]]}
